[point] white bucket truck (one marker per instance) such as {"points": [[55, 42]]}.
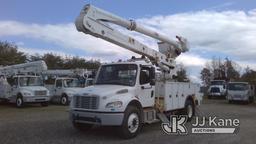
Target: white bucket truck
{"points": [[21, 84], [63, 84], [128, 94], [240, 91], [218, 88]]}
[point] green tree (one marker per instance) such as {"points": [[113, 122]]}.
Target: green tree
{"points": [[10, 55], [206, 76], [249, 76], [182, 74]]}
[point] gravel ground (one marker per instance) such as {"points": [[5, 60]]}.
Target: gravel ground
{"points": [[35, 124]]}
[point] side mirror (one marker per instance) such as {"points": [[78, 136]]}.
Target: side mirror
{"points": [[152, 75]]}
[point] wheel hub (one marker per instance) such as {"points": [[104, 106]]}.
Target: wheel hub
{"points": [[133, 122]]}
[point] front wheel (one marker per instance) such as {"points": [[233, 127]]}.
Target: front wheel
{"points": [[19, 102], [189, 110], [64, 100], [131, 123]]}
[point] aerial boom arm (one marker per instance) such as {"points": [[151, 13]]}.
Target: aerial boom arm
{"points": [[36, 67], [94, 21]]}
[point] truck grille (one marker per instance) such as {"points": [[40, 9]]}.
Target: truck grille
{"points": [[86, 102], [40, 93]]}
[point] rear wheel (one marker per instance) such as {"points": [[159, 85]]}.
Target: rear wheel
{"points": [[132, 123], [189, 109], [19, 102]]}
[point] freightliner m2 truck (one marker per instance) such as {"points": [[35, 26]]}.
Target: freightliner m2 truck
{"points": [[130, 93]]}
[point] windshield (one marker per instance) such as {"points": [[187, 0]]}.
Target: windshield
{"points": [[71, 83], [217, 82], [215, 90], [119, 74], [238, 86], [30, 81]]}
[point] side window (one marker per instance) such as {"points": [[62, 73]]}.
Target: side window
{"points": [[59, 83], [144, 75], [15, 82], [12, 81]]}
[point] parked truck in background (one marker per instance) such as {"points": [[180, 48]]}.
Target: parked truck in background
{"points": [[63, 84], [218, 89], [127, 94], [240, 91], [21, 84]]}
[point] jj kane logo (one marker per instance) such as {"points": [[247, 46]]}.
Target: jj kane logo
{"points": [[201, 125]]}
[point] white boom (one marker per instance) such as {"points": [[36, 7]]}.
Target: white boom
{"points": [[36, 67], [93, 21]]}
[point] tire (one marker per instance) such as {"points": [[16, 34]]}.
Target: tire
{"points": [[64, 100], [189, 110], [82, 126], [132, 123], [19, 102], [44, 104], [230, 101]]}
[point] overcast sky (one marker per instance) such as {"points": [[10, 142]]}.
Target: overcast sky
{"points": [[220, 28]]}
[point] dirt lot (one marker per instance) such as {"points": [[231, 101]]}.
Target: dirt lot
{"points": [[36, 124]]}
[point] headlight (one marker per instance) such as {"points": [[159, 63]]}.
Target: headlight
{"points": [[27, 94], [116, 104]]}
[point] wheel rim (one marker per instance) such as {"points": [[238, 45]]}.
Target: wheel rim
{"points": [[64, 100], [19, 102], [133, 122], [189, 111]]}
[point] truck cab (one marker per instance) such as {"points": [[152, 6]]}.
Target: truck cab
{"points": [[240, 91], [217, 89], [63, 89], [21, 89]]}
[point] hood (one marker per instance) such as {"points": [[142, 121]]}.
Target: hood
{"points": [[104, 90], [74, 89], [232, 92]]}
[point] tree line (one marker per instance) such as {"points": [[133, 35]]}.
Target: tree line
{"points": [[9, 55], [228, 70]]}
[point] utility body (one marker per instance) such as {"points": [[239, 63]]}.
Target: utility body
{"points": [[140, 90], [21, 84]]}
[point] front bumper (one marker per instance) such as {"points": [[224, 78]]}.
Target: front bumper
{"points": [[216, 94], [36, 99], [97, 118]]}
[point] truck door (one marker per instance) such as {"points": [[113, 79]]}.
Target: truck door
{"points": [[146, 91], [58, 89]]}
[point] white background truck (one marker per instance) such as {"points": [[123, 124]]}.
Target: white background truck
{"points": [[19, 87], [63, 89], [63, 84], [218, 88], [128, 94], [240, 91]]}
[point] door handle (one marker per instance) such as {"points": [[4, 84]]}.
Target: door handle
{"points": [[152, 93], [143, 87]]}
